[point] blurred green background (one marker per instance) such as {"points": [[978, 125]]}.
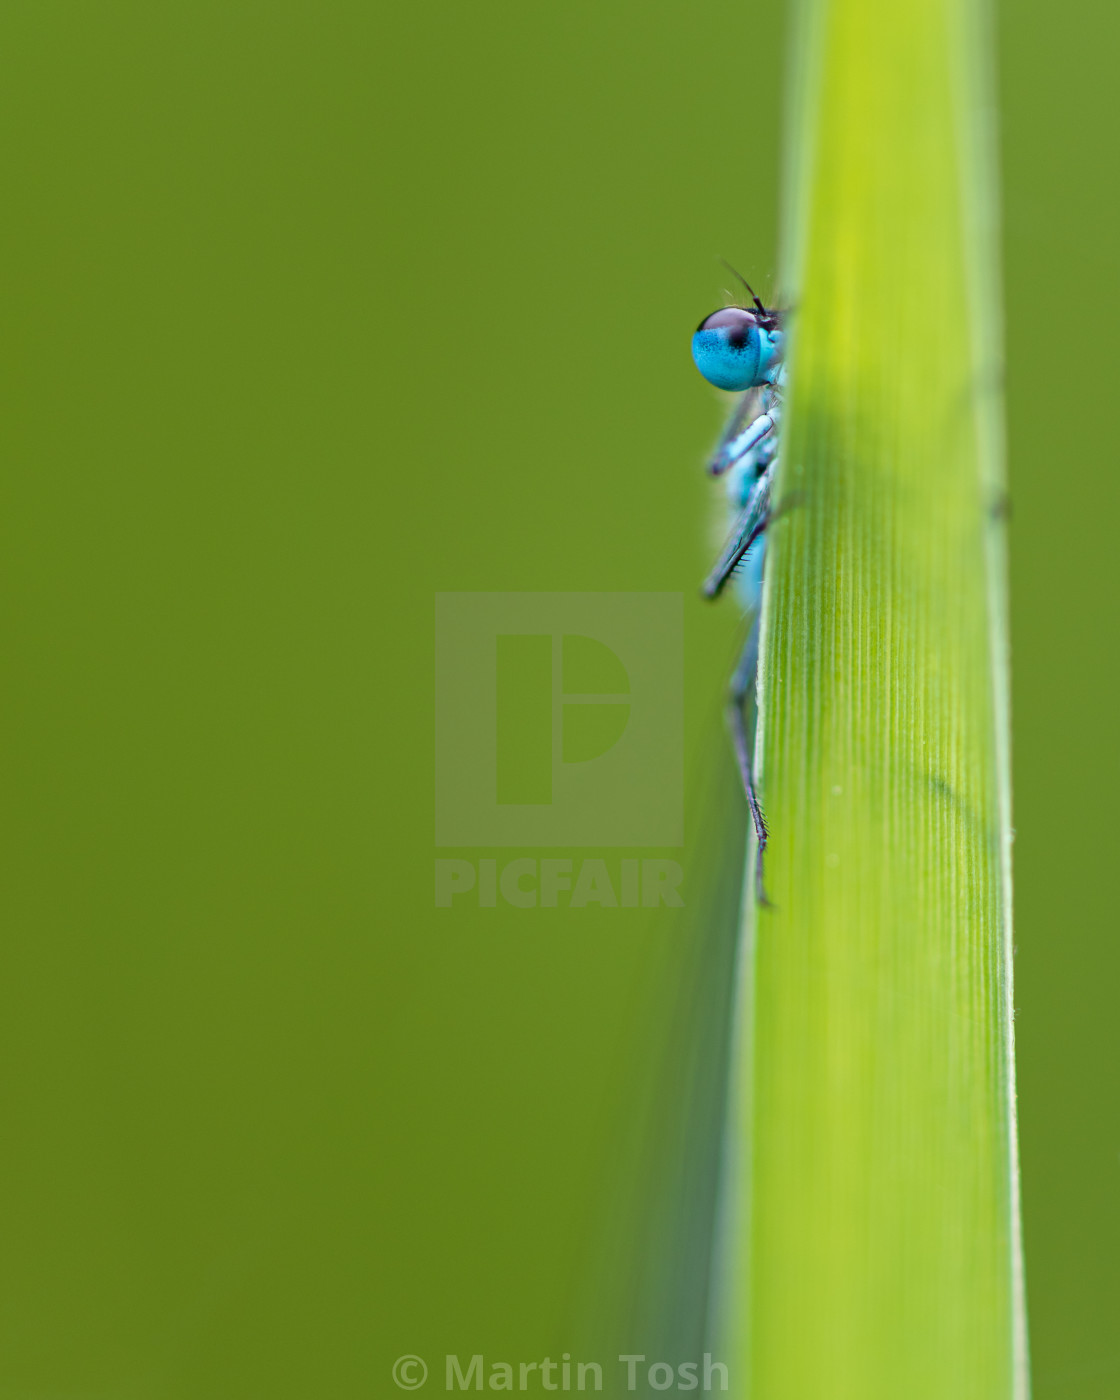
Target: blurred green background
{"points": [[310, 311]]}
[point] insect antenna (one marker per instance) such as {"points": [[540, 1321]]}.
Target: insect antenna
{"points": [[754, 295]]}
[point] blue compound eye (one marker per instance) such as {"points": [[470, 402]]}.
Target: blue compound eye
{"points": [[732, 350]]}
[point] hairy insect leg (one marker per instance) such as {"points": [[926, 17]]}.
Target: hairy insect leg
{"points": [[749, 525], [741, 697]]}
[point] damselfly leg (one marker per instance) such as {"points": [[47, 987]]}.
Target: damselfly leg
{"points": [[742, 696], [754, 418], [749, 525]]}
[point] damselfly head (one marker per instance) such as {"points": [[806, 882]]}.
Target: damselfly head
{"points": [[736, 349]]}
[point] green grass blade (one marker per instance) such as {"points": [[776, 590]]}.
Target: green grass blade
{"points": [[877, 1253]]}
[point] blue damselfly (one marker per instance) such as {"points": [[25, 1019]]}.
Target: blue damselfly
{"points": [[741, 349]]}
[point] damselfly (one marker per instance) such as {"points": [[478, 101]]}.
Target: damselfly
{"points": [[741, 348]]}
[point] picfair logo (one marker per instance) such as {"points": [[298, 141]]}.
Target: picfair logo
{"points": [[559, 719]]}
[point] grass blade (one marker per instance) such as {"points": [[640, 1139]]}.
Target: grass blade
{"points": [[877, 1245]]}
